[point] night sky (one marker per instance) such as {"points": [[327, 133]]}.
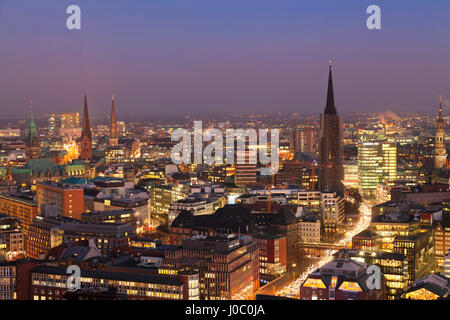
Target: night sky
{"points": [[172, 57]]}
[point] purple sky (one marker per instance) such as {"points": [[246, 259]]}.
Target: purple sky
{"points": [[177, 57]]}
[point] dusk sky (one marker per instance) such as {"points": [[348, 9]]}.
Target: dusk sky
{"points": [[177, 57]]}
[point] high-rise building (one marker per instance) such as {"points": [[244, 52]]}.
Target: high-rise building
{"points": [[305, 140], [113, 139], [32, 145], [377, 163], [331, 172], [401, 233], [351, 174], [70, 120], [86, 135], [440, 153], [272, 255], [52, 124], [121, 127], [245, 172], [333, 209]]}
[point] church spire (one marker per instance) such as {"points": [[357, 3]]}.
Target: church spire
{"points": [[330, 107], [32, 126], [32, 147], [86, 126], [86, 137], [113, 139], [113, 111], [440, 108]]}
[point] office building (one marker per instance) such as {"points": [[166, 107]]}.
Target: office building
{"points": [[377, 164], [68, 198], [272, 255], [228, 265], [70, 120]]}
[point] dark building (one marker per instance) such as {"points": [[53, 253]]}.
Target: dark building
{"points": [[297, 172], [121, 216], [48, 232], [15, 279], [331, 155], [341, 279], [234, 219], [48, 282], [228, 265], [272, 256]]}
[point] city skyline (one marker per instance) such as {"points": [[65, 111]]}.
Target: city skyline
{"points": [[224, 151], [163, 60]]}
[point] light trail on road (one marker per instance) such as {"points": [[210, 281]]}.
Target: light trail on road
{"points": [[292, 290]]}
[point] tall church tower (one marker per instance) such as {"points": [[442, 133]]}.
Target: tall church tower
{"points": [[86, 135], [331, 170], [32, 145], [440, 152], [113, 139]]}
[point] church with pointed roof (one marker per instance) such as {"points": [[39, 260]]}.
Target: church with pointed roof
{"points": [[86, 135], [32, 144], [440, 152], [113, 138], [331, 172]]}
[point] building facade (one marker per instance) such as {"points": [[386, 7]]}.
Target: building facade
{"points": [[68, 199]]}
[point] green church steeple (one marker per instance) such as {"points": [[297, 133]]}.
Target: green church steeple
{"points": [[32, 126]]}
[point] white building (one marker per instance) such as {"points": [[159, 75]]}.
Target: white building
{"points": [[333, 211], [204, 199], [309, 229]]}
